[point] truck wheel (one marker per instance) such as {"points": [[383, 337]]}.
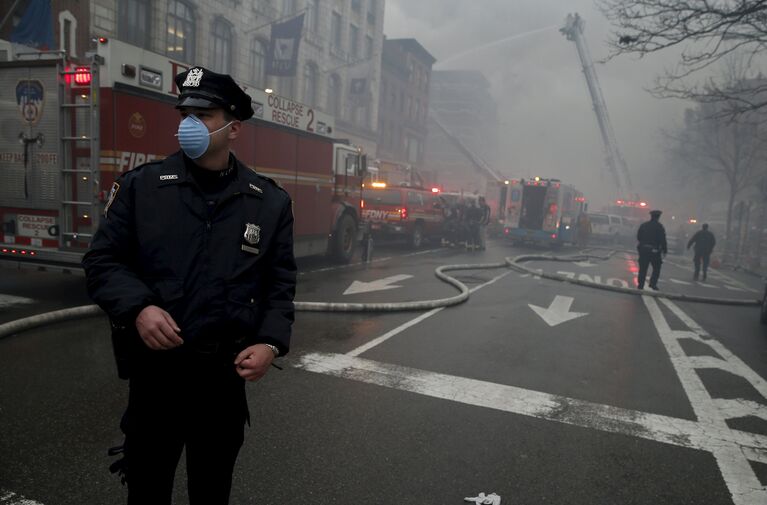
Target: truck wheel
{"points": [[344, 239], [416, 239]]}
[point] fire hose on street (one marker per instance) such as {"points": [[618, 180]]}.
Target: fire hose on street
{"points": [[516, 264]]}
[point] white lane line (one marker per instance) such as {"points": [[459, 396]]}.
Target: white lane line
{"points": [[526, 402], [738, 475], [399, 329], [685, 318], [11, 498], [683, 283], [10, 300], [733, 288]]}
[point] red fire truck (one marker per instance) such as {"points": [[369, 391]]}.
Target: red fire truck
{"points": [[69, 130]]}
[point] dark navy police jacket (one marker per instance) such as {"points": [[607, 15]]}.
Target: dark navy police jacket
{"points": [[225, 274]]}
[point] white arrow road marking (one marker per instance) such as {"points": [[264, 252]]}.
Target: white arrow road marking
{"points": [[558, 312], [683, 283], [379, 285], [10, 300]]}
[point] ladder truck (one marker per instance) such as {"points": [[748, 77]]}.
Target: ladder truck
{"points": [[616, 165]]}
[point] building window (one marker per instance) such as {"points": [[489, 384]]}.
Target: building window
{"points": [[334, 95], [68, 33], [310, 84], [133, 21], [313, 15], [335, 32], [181, 31], [257, 62], [356, 5], [368, 46], [354, 37], [221, 46]]}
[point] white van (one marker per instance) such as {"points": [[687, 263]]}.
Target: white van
{"points": [[607, 228]]}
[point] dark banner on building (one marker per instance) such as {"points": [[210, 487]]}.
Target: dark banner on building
{"points": [[36, 26], [282, 59]]}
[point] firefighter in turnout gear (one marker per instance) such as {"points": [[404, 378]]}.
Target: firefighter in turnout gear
{"points": [[193, 262], [652, 247]]}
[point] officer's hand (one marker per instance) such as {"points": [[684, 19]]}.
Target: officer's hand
{"points": [[253, 362], [157, 329]]}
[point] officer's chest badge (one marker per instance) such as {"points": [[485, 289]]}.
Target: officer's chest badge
{"points": [[252, 233]]}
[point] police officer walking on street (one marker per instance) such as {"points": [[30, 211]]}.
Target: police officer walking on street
{"points": [[652, 243], [704, 242], [193, 263]]}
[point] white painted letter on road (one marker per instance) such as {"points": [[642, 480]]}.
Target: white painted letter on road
{"points": [[558, 312]]}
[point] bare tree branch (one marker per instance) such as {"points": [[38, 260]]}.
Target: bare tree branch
{"points": [[707, 31]]}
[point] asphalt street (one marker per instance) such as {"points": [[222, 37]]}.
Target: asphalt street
{"points": [[537, 390]]}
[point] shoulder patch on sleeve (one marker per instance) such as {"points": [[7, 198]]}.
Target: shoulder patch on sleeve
{"points": [[112, 195]]}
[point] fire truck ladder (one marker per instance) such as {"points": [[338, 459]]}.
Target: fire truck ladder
{"points": [[79, 136], [573, 30]]}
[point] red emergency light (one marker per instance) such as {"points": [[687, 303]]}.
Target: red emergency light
{"points": [[580, 199], [5, 250], [435, 190], [643, 204], [403, 213], [82, 76]]}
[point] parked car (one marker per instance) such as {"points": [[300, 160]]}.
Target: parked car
{"points": [[397, 212]]}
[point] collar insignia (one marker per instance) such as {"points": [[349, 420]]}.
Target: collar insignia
{"points": [[255, 188]]}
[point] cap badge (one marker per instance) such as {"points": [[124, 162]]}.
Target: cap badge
{"points": [[193, 78], [252, 233]]}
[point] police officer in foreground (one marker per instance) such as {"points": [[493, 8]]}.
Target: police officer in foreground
{"points": [[704, 242], [652, 244], [193, 263]]}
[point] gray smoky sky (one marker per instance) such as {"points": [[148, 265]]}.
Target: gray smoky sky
{"points": [[547, 125]]}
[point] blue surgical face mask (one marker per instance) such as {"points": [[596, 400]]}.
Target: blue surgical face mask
{"points": [[194, 137]]}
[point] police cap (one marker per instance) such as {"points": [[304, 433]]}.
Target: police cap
{"points": [[205, 89], [656, 212]]}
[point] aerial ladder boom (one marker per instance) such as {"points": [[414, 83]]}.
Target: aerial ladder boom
{"points": [[616, 165]]}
